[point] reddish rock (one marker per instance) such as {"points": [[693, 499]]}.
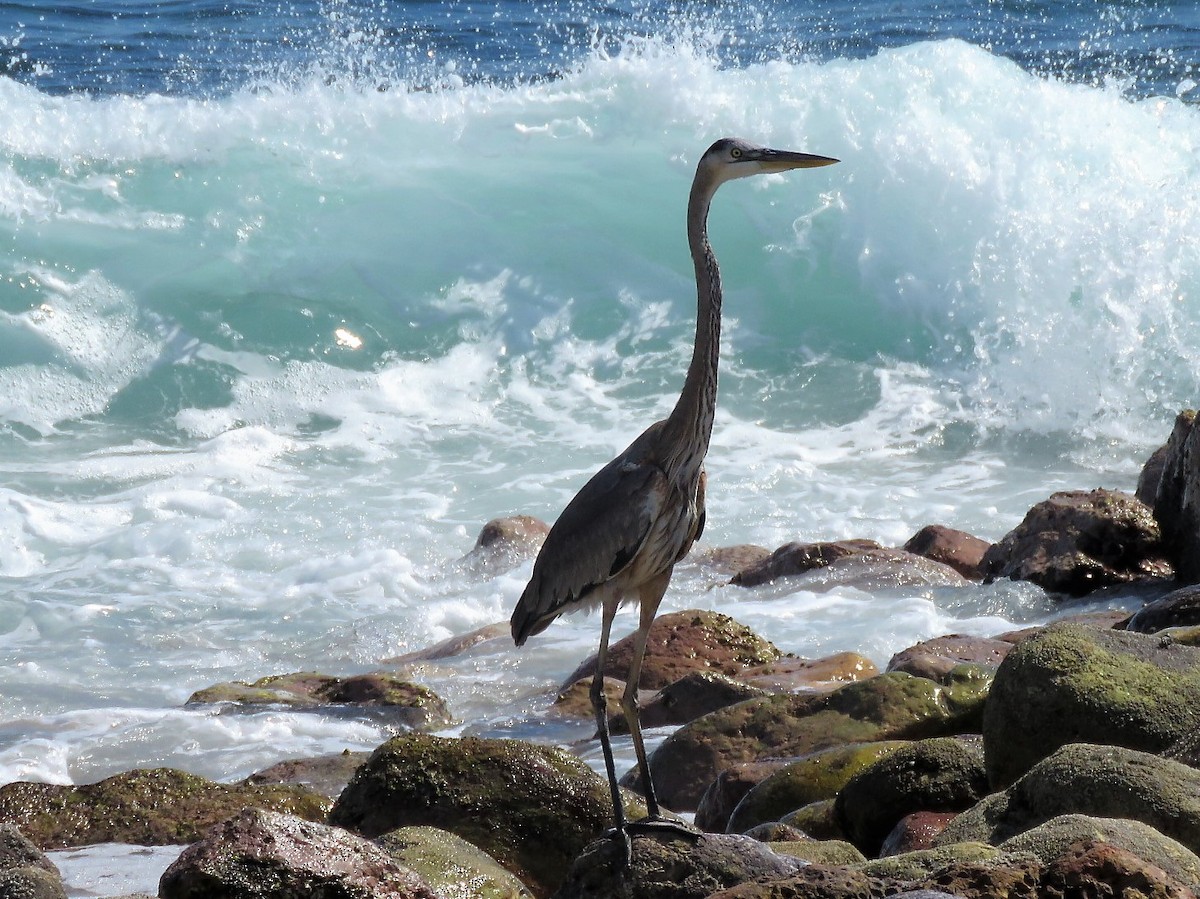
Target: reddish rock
{"points": [[1077, 542], [794, 675], [961, 551], [797, 558], [873, 570], [914, 832], [986, 880], [1094, 868], [937, 657], [682, 642], [575, 700], [262, 855]]}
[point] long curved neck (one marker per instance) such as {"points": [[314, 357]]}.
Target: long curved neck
{"points": [[689, 425]]}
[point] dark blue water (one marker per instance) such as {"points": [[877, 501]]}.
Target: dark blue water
{"points": [[209, 47]]}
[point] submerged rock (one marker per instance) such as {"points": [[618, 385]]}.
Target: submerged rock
{"points": [[532, 808], [266, 855], [504, 543], [1072, 683], [680, 643], [1076, 542], [797, 558], [154, 807]]}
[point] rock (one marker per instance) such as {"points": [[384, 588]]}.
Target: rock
{"points": [[797, 558], [1072, 683], [326, 775], [1058, 837], [961, 551], [1093, 868], [777, 832], [814, 882], [682, 642], [266, 855], [496, 636], [532, 808], [1179, 608], [18, 851], [810, 779], [1177, 502], [794, 675], [401, 701], [1151, 476], [28, 882], [1099, 781], [817, 820], [1105, 619], [874, 570], [1015, 878], [920, 864], [729, 560], [939, 775], [154, 807], [504, 543], [727, 789], [452, 867], [575, 700], [689, 697], [672, 867], [935, 658], [821, 852], [888, 707], [1077, 542], [1186, 750], [914, 832]]}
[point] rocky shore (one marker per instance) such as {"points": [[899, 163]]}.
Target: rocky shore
{"points": [[1059, 761]]}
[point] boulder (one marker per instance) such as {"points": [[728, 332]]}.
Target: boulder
{"points": [[810, 779], [797, 558], [1177, 502], [533, 808], [888, 707], [1085, 779], [777, 832], [678, 868], [326, 775], [938, 775], [1095, 868], [961, 551], [919, 864], [266, 855], [452, 867], [1077, 542], [154, 807], [689, 697], [29, 882], [1060, 836], [1010, 878], [18, 851], [914, 832], [575, 700], [817, 820], [680, 643], [727, 789], [820, 852], [795, 675], [729, 560], [1151, 476], [1072, 683], [387, 695], [873, 570], [1179, 608], [814, 882], [935, 658], [495, 637], [503, 543]]}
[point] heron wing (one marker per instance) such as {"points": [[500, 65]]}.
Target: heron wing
{"points": [[596, 537]]}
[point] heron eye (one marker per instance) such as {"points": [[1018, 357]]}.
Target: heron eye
{"points": [[736, 153]]}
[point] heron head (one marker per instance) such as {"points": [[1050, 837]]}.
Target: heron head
{"points": [[732, 157]]}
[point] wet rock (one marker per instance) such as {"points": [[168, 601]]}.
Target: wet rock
{"points": [[814, 882], [266, 855], [920, 864], [154, 807], [532, 808], [888, 707], [810, 779], [1177, 502], [28, 882], [940, 775], [575, 701], [1092, 868], [1099, 781], [794, 675], [682, 642], [1071, 683], [797, 558], [915, 832], [727, 789], [821, 852], [1105, 619], [406, 703], [817, 820], [1179, 608], [671, 867], [326, 775], [1151, 476], [504, 543], [18, 851], [777, 832], [688, 698], [961, 551], [452, 867], [496, 636], [729, 560], [1077, 542], [873, 570], [937, 657], [1058, 837]]}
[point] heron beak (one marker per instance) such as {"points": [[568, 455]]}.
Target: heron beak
{"points": [[784, 160]]}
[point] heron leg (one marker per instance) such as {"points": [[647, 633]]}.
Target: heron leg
{"points": [[600, 707]]}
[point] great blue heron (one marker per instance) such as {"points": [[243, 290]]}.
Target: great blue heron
{"points": [[619, 539]]}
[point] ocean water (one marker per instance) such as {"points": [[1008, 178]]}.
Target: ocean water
{"points": [[295, 297]]}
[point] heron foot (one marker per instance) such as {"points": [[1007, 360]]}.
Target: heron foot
{"points": [[661, 825]]}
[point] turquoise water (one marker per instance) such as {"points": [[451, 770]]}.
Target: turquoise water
{"points": [[293, 299]]}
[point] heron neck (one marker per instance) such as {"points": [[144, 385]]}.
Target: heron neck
{"points": [[690, 423]]}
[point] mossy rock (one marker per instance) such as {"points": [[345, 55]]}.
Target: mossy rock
{"points": [[923, 862], [1076, 684], [810, 779], [820, 852], [894, 706], [453, 868], [149, 807], [533, 808], [817, 820]]}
